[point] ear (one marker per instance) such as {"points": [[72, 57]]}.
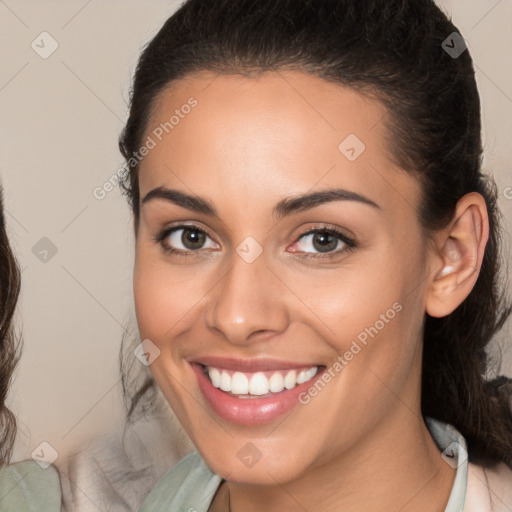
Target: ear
{"points": [[457, 256]]}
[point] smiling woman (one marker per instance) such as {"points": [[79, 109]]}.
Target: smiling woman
{"points": [[329, 173]]}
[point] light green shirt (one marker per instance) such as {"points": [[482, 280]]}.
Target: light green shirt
{"points": [[26, 487], [190, 485]]}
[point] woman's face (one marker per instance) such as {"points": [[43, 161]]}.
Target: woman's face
{"points": [[254, 299]]}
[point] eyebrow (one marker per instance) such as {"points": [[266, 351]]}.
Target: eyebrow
{"points": [[283, 208]]}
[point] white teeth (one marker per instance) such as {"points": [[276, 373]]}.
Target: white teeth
{"points": [[259, 384], [240, 383], [301, 377], [225, 381], [305, 375], [276, 383], [215, 377], [290, 380]]}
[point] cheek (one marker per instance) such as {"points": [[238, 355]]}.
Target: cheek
{"points": [[155, 301], [149, 300], [372, 319], [357, 299], [161, 306], [166, 296]]}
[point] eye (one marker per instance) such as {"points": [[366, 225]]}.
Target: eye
{"points": [[185, 239], [325, 241]]}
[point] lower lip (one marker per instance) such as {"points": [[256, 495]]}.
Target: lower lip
{"points": [[250, 411]]}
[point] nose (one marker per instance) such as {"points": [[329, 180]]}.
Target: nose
{"points": [[247, 302]]}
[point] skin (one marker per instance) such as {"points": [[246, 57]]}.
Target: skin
{"points": [[248, 144]]}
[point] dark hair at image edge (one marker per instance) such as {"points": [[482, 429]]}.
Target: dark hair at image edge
{"points": [[10, 283], [390, 51]]}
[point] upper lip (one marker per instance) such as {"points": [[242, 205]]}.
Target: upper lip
{"points": [[250, 365]]}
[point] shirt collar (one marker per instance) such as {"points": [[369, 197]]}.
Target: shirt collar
{"points": [[454, 451]]}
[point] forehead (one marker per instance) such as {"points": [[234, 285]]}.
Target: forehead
{"points": [[279, 133]]}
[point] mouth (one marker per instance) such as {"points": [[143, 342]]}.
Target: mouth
{"points": [[253, 392], [260, 384]]}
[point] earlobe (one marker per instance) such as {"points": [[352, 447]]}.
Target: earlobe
{"points": [[459, 256]]}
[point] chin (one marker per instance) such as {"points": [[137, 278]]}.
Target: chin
{"points": [[248, 465]]}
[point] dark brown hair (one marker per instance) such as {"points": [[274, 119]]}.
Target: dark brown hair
{"points": [[392, 51], [10, 283]]}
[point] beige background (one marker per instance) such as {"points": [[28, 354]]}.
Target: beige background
{"points": [[59, 122]]}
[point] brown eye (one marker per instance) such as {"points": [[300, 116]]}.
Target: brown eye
{"points": [[323, 242], [192, 238], [185, 239]]}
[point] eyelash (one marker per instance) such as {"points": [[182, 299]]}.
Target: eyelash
{"points": [[350, 244]]}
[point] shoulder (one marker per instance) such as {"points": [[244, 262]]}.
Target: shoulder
{"points": [[25, 486], [119, 470], [189, 485], [489, 488]]}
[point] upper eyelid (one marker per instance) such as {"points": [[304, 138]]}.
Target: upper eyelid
{"points": [[168, 230]]}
